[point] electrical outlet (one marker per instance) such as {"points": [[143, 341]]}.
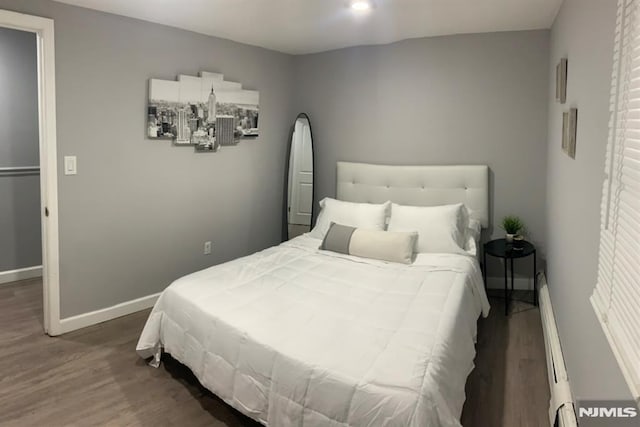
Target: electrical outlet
{"points": [[207, 248]]}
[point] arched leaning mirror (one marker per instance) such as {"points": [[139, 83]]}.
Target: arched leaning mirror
{"points": [[298, 213]]}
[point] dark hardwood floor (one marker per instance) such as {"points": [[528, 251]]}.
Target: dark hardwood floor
{"points": [[94, 377], [509, 386]]}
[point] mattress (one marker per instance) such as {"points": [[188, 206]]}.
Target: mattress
{"points": [[294, 335]]}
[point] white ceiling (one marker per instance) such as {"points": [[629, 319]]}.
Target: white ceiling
{"points": [[305, 26]]}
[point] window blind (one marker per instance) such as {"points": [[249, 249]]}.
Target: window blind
{"points": [[616, 298]]}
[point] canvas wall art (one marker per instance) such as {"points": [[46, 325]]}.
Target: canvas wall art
{"points": [[561, 80], [565, 131], [569, 131], [206, 112]]}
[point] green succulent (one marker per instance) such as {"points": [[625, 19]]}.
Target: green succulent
{"points": [[512, 224]]}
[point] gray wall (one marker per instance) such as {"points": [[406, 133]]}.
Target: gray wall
{"points": [[20, 241], [470, 99], [583, 32], [137, 214]]}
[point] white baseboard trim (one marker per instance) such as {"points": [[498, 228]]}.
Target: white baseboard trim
{"points": [[94, 317], [519, 283], [20, 274]]}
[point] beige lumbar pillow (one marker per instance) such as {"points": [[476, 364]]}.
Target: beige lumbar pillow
{"points": [[375, 244]]}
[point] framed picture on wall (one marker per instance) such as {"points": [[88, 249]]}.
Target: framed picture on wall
{"points": [[569, 128], [573, 126], [565, 132], [561, 81]]}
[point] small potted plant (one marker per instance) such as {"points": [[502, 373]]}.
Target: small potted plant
{"points": [[512, 225]]}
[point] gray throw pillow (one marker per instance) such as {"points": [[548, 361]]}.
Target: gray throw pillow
{"points": [[375, 244]]}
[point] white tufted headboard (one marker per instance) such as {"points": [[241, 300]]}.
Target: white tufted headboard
{"points": [[417, 185]]}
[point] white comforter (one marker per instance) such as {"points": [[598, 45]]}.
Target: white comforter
{"points": [[295, 336]]}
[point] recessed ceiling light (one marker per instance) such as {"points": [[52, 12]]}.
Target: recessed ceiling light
{"points": [[360, 5]]}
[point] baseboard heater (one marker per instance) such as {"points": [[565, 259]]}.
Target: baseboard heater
{"points": [[561, 407]]}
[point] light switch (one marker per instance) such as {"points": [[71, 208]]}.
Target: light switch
{"points": [[70, 165]]}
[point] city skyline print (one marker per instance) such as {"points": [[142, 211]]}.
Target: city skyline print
{"points": [[206, 111]]}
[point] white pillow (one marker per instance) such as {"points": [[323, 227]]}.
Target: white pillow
{"points": [[473, 233], [474, 228], [441, 229], [360, 215]]}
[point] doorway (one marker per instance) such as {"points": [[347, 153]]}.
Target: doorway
{"points": [[28, 169], [21, 243]]}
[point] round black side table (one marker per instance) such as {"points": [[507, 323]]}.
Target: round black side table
{"points": [[499, 248]]}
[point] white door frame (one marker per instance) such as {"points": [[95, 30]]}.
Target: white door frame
{"points": [[43, 28]]}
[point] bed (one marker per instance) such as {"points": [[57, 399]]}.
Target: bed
{"points": [[294, 335]]}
